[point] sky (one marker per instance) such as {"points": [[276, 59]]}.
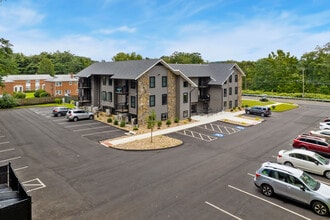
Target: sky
{"points": [[220, 30]]}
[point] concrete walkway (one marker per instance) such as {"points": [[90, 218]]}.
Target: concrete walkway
{"points": [[199, 120]]}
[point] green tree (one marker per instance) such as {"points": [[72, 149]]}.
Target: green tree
{"points": [[46, 67], [121, 56], [7, 63], [151, 122], [184, 58]]}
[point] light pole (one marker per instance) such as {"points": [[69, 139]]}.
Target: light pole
{"points": [[303, 82]]}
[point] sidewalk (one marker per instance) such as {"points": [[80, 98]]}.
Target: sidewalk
{"points": [[200, 120]]}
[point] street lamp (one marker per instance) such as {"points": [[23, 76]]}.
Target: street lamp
{"points": [[303, 82]]}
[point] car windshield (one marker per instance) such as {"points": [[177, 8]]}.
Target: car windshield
{"points": [[322, 159], [309, 181]]}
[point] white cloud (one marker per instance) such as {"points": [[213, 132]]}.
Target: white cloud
{"points": [[119, 29]]}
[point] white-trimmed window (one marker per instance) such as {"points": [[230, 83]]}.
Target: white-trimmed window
{"points": [[58, 83], [58, 92]]}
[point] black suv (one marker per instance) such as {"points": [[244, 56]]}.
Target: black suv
{"points": [[59, 111], [259, 110]]}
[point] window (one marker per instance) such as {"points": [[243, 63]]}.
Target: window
{"points": [[104, 95], [109, 97], [110, 81], [185, 97], [132, 84], [163, 116], [67, 92], [230, 104], [230, 78], [185, 113], [164, 99], [164, 81], [224, 92], [236, 90], [230, 91], [236, 78], [225, 104], [104, 80], [58, 83], [152, 100], [58, 92], [132, 101], [152, 82], [185, 84]]}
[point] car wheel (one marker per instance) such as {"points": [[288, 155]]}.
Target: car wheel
{"points": [[75, 119], [303, 148], [58, 114], [247, 112], [262, 114], [320, 208], [267, 190], [288, 164], [91, 117], [327, 174]]}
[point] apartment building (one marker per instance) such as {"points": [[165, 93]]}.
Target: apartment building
{"points": [[135, 88], [58, 86]]}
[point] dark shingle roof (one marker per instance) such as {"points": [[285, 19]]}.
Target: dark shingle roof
{"points": [[131, 69], [218, 72]]}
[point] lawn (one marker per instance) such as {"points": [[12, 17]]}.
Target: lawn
{"points": [[275, 107]]}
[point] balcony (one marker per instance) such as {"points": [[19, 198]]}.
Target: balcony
{"points": [[84, 85], [121, 90], [204, 98], [84, 99], [121, 107], [203, 84]]}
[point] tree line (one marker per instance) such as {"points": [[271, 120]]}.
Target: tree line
{"points": [[279, 72]]}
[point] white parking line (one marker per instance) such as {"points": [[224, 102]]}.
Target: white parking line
{"points": [[10, 159], [79, 125], [2, 136], [38, 184], [10, 149], [6, 142], [21, 168], [84, 129], [216, 207], [99, 132], [274, 204]]}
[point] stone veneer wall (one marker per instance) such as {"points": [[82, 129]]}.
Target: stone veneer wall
{"points": [[239, 85], [143, 98], [171, 95]]}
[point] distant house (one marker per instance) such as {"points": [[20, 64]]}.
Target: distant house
{"points": [[59, 85], [134, 88]]}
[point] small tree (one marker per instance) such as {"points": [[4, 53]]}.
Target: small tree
{"points": [[168, 122], [151, 121], [159, 124]]}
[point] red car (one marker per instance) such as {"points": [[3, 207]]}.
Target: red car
{"points": [[316, 144]]}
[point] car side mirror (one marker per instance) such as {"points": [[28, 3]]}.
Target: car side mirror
{"points": [[302, 187], [316, 162]]}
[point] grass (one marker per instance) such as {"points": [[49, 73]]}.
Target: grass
{"points": [[278, 107], [48, 105], [29, 95]]}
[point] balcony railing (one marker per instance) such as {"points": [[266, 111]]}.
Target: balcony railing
{"points": [[121, 107], [84, 85], [204, 98], [121, 90]]}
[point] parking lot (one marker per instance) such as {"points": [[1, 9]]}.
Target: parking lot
{"points": [[70, 176]]}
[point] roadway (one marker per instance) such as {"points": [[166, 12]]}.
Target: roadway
{"points": [[71, 176]]}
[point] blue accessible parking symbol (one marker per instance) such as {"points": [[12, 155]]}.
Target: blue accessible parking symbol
{"points": [[218, 135]]}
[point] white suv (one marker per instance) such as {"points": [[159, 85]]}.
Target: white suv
{"points": [[77, 114], [294, 184]]}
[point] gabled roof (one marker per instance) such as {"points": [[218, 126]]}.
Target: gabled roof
{"points": [[63, 78], [218, 72], [131, 69]]}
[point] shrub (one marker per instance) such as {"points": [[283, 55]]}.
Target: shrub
{"points": [[176, 120], [109, 120], [44, 94], [168, 122], [19, 95], [122, 124], [135, 128], [159, 124], [37, 93], [58, 101], [7, 101], [116, 122], [273, 107]]}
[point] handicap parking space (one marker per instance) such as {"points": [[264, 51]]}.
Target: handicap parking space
{"points": [[211, 131]]}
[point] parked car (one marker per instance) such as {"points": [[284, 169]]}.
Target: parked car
{"points": [[305, 160], [295, 184], [327, 119], [312, 143], [324, 125], [59, 111], [259, 110], [321, 133], [78, 114]]}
